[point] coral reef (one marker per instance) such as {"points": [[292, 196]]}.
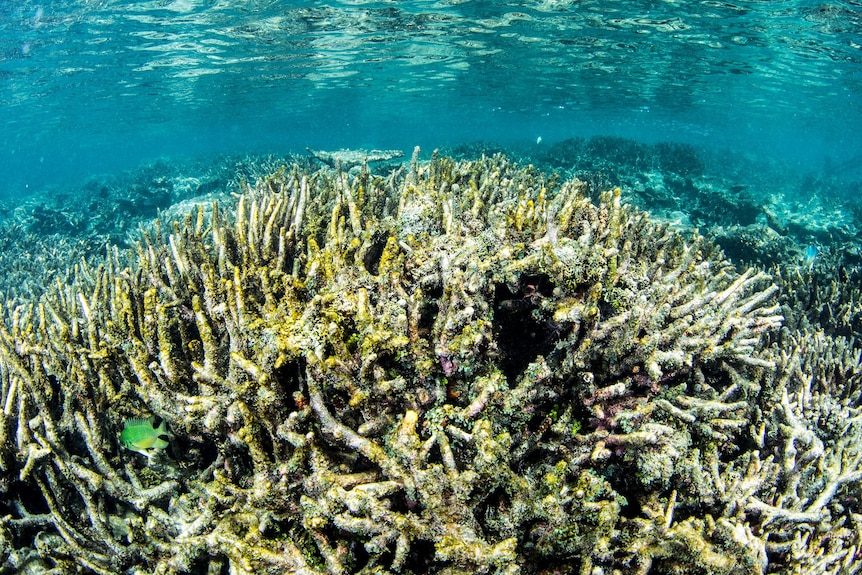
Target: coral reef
{"points": [[824, 292], [461, 367], [658, 177], [44, 236], [594, 153]]}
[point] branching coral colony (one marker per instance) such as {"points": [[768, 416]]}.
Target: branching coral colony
{"points": [[453, 369]]}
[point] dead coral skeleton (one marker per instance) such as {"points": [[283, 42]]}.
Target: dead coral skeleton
{"points": [[351, 387]]}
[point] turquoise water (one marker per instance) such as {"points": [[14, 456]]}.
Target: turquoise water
{"points": [[95, 86]]}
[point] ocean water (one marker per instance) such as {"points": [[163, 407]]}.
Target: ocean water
{"points": [[97, 86]]}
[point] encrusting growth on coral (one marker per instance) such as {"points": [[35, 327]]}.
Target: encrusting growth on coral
{"points": [[455, 369]]}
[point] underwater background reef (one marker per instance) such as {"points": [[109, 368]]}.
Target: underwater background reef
{"points": [[467, 364]]}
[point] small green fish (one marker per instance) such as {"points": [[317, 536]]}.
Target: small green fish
{"points": [[145, 436]]}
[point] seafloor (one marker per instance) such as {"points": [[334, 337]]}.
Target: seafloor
{"points": [[597, 356]]}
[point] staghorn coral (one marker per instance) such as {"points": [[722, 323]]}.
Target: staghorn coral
{"points": [[457, 368], [812, 428], [823, 293]]}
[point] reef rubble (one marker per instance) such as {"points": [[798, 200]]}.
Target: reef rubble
{"points": [[460, 367], [353, 158]]}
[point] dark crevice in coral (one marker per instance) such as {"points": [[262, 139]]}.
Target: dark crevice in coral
{"points": [[400, 502], [289, 377], [533, 455], [230, 248], [489, 507], [390, 364], [291, 399], [538, 444], [266, 443], [238, 463], [429, 310], [186, 331], [359, 464], [28, 495], [689, 505], [328, 349], [606, 310], [33, 503], [385, 558], [521, 332], [434, 456], [277, 528], [192, 454], [632, 508], [343, 412], [624, 481], [371, 258], [420, 558], [54, 396], [75, 445], [539, 419], [358, 557]]}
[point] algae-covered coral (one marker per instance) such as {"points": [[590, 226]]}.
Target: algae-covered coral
{"points": [[461, 367]]}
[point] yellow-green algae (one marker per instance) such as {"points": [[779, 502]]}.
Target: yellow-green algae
{"points": [[463, 367]]}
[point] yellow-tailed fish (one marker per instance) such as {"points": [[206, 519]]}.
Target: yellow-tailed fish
{"points": [[145, 435]]}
